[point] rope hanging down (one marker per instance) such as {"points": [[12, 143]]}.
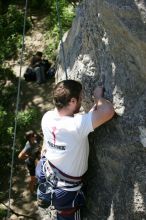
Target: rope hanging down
{"points": [[17, 107], [60, 35]]}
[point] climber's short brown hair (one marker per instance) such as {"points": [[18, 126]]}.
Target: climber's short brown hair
{"points": [[64, 91]]}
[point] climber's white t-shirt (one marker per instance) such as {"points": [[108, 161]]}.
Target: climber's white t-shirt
{"points": [[66, 140]]}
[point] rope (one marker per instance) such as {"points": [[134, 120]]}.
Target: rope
{"points": [[60, 35], [16, 112]]}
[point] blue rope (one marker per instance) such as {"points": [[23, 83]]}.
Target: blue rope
{"points": [[60, 35], [16, 112]]}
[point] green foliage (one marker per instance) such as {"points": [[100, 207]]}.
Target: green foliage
{"points": [[4, 127], [46, 4], [26, 121], [11, 29], [3, 115], [3, 213], [8, 93], [12, 22], [15, 20], [37, 4], [66, 14], [26, 118], [8, 89]]}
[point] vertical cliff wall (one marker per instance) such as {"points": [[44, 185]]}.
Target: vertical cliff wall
{"points": [[108, 40]]}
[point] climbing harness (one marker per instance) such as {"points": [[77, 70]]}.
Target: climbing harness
{"points": [[56, 186], [17, 108], [61, 35], [57, 178]]}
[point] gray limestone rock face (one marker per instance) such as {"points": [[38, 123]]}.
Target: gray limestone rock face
{"points": [[108, 40]]}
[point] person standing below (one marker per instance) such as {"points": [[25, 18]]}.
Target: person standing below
{"points": [[31, 155], [67, 148]]}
